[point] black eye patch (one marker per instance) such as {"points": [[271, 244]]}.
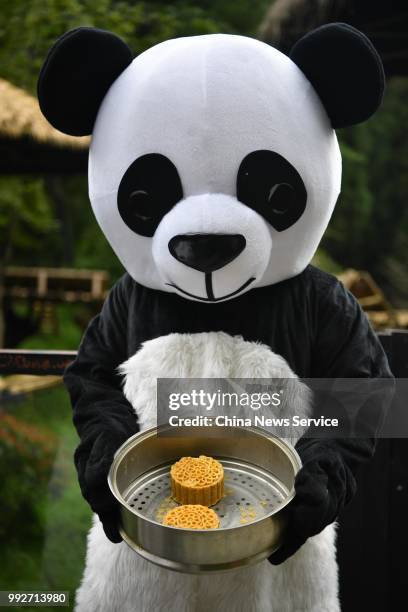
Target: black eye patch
{"points": [[271, 186], [149, 188]]}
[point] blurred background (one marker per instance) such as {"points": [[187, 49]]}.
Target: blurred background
{"points": [[56, 266]]}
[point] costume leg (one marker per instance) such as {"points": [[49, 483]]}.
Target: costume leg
{"points": [[116, 579], [308, 581]]}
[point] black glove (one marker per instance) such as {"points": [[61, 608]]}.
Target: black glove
{"points": [[102, 415], [93, 458], [324, 485]]}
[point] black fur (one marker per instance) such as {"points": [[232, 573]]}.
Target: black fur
{"points": [[268, 183], [324, 485], [345, 70], [149, 189], [311, 320], [78, 71]]}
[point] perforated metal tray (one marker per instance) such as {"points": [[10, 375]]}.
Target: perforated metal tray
{"points": [[250, 494], [259, 475]]}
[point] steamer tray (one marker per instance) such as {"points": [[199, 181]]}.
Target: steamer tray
{"points": [[259, 475]]}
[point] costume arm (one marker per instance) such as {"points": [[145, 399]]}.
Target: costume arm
{"points": [[345, 347], [102, 416]]}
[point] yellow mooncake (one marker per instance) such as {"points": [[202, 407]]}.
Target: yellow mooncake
{"points": [[197, 480], [192, 516]]}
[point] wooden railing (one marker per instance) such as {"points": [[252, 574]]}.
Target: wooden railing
{"points": [[40, 363], [56, 284]]}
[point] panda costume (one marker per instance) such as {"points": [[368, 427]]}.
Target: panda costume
{"points": [[214, 169]]}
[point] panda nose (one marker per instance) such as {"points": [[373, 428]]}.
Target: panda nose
{"points": [[206, 252]]}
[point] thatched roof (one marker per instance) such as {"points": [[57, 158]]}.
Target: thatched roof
{"points": [[385, 23], [20, 117]]}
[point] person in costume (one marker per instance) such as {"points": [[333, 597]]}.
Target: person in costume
{"points": [[214, 169]]}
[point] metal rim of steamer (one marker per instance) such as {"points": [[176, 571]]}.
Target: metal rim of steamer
{"points": [[173, 548]]}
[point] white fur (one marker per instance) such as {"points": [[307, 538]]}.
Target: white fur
{"points": [[210, 355], [116, 579], [213, 213], [206, 102]]}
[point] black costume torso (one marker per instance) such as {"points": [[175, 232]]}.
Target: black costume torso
{"points": [[311, 320]]}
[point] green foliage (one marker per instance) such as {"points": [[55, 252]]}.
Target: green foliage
{"points": [[369, 229], [65, 336], [324, 261], [26, 215], [27, 30], [51, 555], [26, 453]]}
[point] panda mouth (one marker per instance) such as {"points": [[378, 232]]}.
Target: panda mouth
{"points": [[209, 289]]}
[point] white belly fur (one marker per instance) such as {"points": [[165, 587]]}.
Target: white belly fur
{"points": [[116, 579]]}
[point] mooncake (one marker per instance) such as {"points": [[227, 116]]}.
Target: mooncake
{"points": [[197, 480], [192, 516]]}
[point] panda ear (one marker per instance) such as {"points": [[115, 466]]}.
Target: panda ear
{"points": [[345, 70], [77, 73]]}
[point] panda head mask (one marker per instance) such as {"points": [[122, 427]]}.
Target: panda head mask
{"points": [[214, 166]]}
